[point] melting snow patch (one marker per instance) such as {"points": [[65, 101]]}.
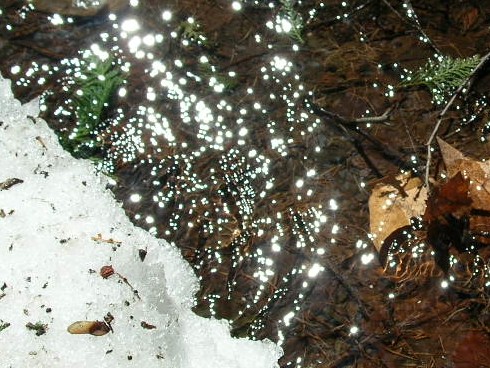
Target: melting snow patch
{"points": [[59, 227]]}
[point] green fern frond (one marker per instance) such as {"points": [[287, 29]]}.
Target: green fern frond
{"points": [[442, 77]]}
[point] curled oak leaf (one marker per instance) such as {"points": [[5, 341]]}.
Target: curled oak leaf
{"points": [[478, 173], [451, 156], [393, 202], [451, 198]]}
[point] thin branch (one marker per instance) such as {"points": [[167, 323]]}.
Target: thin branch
{"points": [[349, 122], [345, 125], [375, 119], [466, 85], [415, 22]]}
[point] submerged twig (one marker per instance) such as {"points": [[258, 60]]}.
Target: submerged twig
{"points": [[350, 122], [346, 125], [376, 119], [415, 22]]}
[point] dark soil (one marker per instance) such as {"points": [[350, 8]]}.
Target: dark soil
{"points": [[352, 52]]}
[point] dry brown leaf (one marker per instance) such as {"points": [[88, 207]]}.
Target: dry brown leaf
{"points": [[451, 198], [480, 228], [96, 328], [478, 175], [392, 203], [477, 171]]}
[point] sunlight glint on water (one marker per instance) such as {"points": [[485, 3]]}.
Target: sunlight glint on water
{"points": [[220, 126], [214, 107]]}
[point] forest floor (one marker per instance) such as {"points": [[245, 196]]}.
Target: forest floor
{"points": [[351, 56]]}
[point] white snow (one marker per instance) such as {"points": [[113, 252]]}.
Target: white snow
{"points": [[48, 257]]}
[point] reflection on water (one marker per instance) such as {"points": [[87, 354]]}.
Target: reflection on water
{"points": [[249, 134]]}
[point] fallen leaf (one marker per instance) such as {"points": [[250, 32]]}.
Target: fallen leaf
{"points": [[393, 203], [96, 328], [478, 173], [106, 271], [451, 198], [456, 216]]}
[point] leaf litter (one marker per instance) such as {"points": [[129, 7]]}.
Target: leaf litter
{"points": [[457, 211], [433, 246]]}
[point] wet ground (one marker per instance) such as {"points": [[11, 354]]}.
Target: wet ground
{"points": [[253, 146]]}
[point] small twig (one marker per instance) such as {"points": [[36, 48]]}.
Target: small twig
{"points": [[397, 353], [99, 239], [343, 360], [40, 140], [375, 119], [453, 314], [349, 122], [345, 125], [467, 84], [243, 60], [367, 160], [364, 308], [415, 22], [108, 271], [125, 280]]}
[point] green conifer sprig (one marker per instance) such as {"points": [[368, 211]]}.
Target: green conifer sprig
{"points": [[297, 24], [442, 77], [93, 86]]}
